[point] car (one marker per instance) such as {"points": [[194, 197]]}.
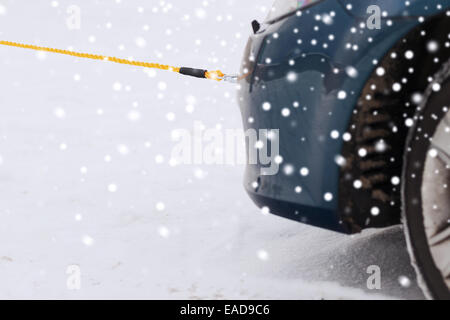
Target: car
{"points": [[358, 94]]}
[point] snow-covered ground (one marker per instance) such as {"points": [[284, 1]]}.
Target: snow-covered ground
{"points": [[85, 176]]}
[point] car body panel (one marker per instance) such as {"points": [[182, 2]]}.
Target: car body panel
{"points": [[313, 72]]}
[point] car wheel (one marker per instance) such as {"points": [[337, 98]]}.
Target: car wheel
{"points": [[426, 188]]}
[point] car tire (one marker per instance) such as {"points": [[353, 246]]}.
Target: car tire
{"points": [[426, 188]]}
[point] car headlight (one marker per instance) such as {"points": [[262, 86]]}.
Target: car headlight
{"points": [[284, 7]]}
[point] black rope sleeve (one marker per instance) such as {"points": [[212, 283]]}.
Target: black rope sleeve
{"points": [[198, 73]]}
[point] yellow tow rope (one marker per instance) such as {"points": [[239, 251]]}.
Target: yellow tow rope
{"points": [[199, 73]]}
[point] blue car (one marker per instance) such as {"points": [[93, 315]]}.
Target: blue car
{"points": [[357, 95]]}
